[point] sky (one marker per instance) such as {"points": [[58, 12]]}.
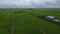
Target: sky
{"points": [[29, 3]]}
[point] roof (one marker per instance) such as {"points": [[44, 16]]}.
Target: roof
{"points": [[57, 20], [50, 17]]}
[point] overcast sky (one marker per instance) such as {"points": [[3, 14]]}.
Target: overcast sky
{"points": [[29, 3]]}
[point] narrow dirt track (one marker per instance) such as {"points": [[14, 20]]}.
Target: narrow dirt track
{"points": [[12, 27], [38, 28]]}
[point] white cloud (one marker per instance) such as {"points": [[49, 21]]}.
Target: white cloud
{"points": [[30, 3], [22, 2], [7, 2]]}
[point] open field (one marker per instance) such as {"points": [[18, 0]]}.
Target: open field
{"points": [[25, 21]]}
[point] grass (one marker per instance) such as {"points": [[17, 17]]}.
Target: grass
{"points": [[23, 21], [5, 23]]}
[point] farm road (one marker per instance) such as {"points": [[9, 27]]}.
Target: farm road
{"points": [[12, 28]]}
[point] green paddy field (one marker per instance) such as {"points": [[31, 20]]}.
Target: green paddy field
{"points": [[27, 22]]}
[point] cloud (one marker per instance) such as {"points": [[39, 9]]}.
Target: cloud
{"points": [[29, 3]]}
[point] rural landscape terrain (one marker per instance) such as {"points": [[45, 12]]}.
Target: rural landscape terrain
{"points": [[25, 21]]}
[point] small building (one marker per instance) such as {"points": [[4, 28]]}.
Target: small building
{"points": [[52, 19], [56, 20], [49, 17]]}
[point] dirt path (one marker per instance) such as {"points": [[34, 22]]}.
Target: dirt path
{"points": [[38, 28], [12, 27]]}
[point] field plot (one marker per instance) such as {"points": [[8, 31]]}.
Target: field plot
{"points": [[5, 23], [24, 25], [25, 21]]}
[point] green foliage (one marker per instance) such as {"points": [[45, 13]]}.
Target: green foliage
{"points": [[24, 18]]}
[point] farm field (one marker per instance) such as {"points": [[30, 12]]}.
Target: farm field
{"points": [[25, 21]]}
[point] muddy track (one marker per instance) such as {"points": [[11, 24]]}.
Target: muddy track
{"points": [[38, 28], [12, 27]]}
